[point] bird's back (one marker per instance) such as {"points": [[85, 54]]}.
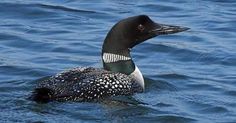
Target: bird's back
{"points": [[84, 84]]}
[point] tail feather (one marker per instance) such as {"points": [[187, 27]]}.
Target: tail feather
{"points": [[42, 95]]}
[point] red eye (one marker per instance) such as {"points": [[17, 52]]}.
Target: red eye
{"points": [[141, 27]]}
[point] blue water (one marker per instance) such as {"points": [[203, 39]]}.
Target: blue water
{"points": [[190, 76]]}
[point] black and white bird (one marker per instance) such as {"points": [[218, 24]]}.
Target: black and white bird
{"points": [[119, 76]]}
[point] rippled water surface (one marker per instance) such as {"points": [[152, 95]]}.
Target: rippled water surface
{"points": [[189, 76]]}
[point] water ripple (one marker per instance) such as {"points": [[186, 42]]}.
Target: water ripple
{"points": [[63, 8]]}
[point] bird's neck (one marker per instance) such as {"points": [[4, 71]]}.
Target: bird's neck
{"points": [[118, 61], [121, 61], [116, 56]]}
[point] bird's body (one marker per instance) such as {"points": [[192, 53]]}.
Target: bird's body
{"points": [[88, 84], [120, 75]]}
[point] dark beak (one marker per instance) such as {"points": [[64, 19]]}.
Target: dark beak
{"points": [[163, 29]]}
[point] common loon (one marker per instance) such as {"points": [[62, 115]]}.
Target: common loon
{"points": [[120, 75]]}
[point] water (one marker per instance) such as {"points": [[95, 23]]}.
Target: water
{"points": [[190, 76]]}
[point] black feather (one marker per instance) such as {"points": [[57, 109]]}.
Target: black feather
{"points": [[42, 95]]}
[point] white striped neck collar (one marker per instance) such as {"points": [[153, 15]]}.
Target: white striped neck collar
{"points": [[111, 57], [118, 62]]}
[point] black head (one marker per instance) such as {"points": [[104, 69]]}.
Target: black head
{"points": [[133, 30], [125, 35]]}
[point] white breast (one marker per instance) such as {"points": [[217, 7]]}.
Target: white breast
{"points": [[138, 77]]}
